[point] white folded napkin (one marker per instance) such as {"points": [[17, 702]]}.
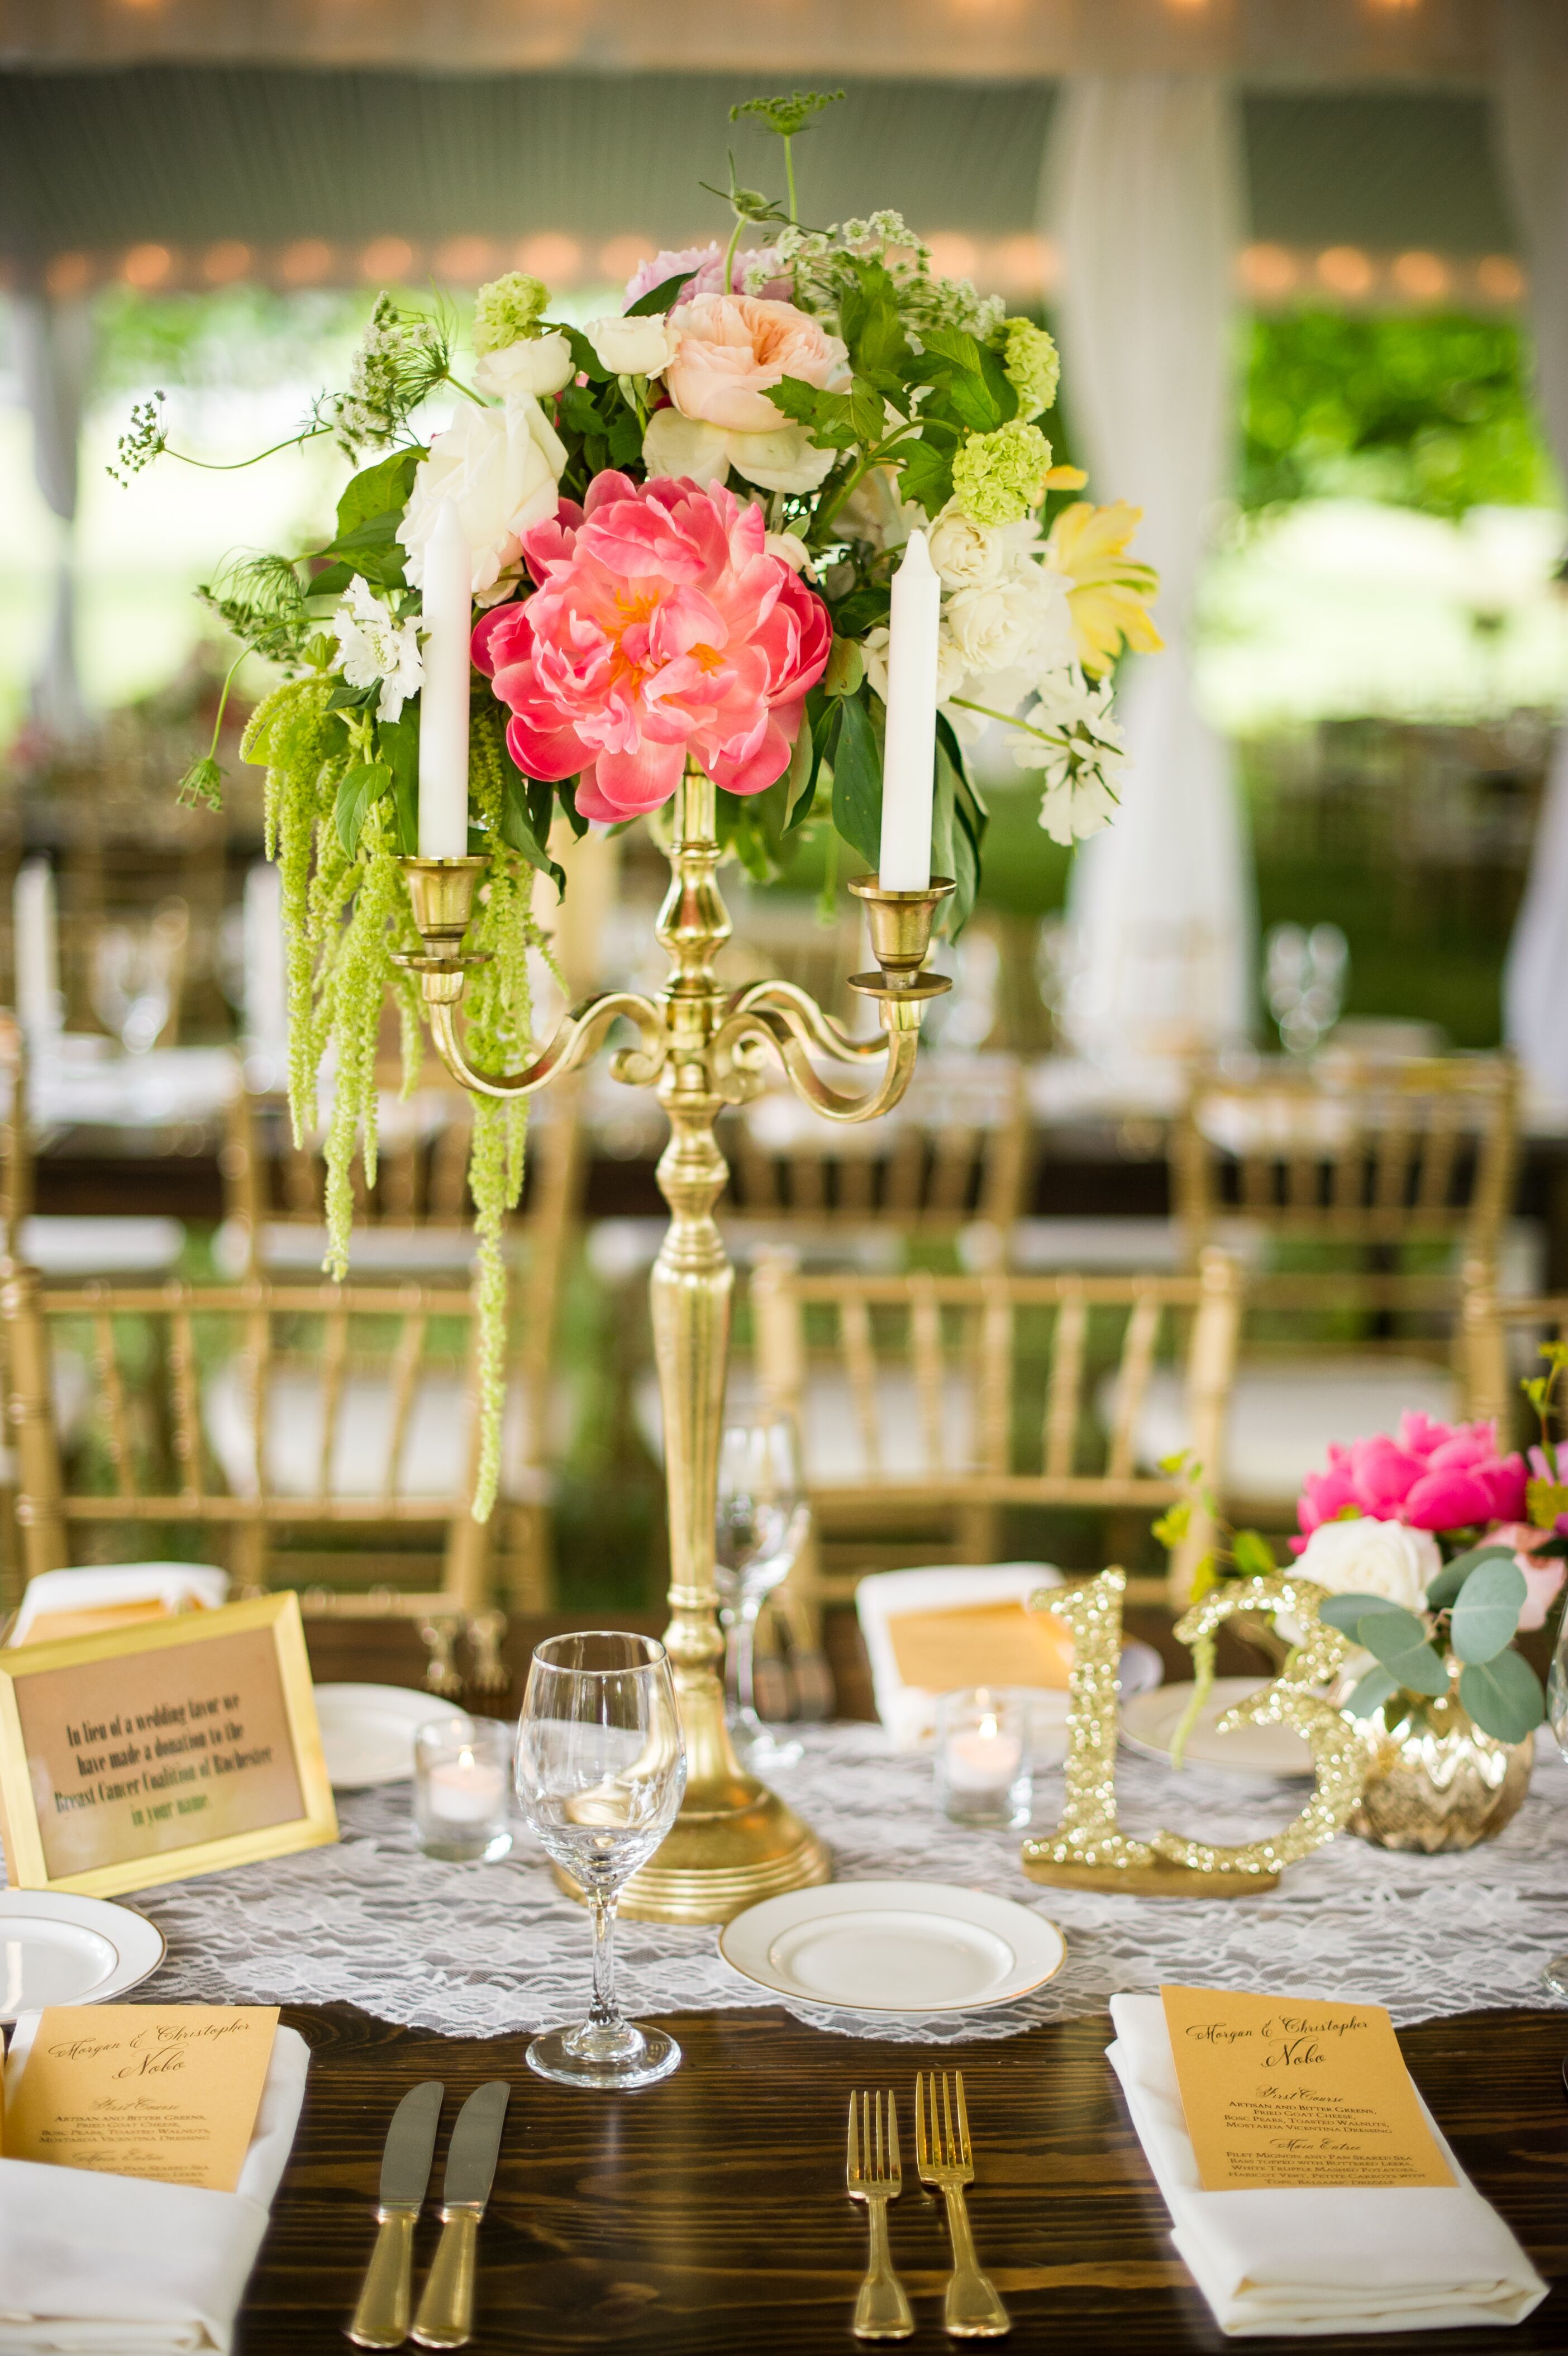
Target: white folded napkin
{"points": [[1290, 2262], [175, 1585], [107, 2263]]}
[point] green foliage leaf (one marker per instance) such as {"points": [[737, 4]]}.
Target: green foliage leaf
{"points": [[861, 611], [1346, 1611], [1374, 1690], [857, 779], [356, 788], [1171, 1526], [826, 413], [1503, 1695], [661, 298], [1453, 1575], [1252, 1554], [870, 324], [867, 414], [847, 669], [584, 358], [525, 822], [567, 794], [1398, 1640], [1485, 1616], [382, 490], [398, 741], [925, 473]]}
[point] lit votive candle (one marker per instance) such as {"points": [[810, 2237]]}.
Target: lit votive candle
{"points": [[983, 1771], [462, 1788]]}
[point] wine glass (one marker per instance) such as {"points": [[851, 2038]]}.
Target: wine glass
{"points": [[1555, 1976], [601, 1768], [762, 1519]]}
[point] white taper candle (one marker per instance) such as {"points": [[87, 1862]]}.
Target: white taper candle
{"points": [[34, 918], [908, 764], [443, 698]]}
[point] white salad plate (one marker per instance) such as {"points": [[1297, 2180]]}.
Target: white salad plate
{"points": [[56, 1948], [1149, 1721], [894, 1946], [367, 1732]]}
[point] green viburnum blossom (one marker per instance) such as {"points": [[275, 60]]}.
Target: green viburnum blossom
{"points": [[1034, 371], [998, 477], [507, 309]]}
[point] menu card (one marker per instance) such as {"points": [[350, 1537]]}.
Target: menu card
{"points": [[170, 2090], [981, 1644], [1285, 2091]]}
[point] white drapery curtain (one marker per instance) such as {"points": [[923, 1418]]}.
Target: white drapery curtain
{"points": [[54, 356], [1143, 194], [1532, 124]]}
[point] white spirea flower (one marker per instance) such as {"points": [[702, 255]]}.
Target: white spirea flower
{"points": [[540, 365], [633, 347], [1371, 1558], [1072, 739], [502, 466], [371, 646], [367, 413]]}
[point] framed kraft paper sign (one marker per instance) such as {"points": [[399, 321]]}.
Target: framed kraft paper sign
{"points": [[149, 1753]]}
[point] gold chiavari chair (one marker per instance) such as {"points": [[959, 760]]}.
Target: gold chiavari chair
{"points": [[342, 1415], [1355, 1191], [1503, 1337], [926, 1403]]}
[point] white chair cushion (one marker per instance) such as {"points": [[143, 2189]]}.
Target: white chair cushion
{"points": [[832, 1438], [1285, 1416], [433, 1461], [100, 1246], [288, 1248]]}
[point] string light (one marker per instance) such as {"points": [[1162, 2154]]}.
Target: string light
{"points": [[1268, 270], [952, 254], [1421, 277], [68, 273], [147, 266], [1345, 270], [386, 257], [1500, 278], [223, 262], [623, 256], [305, 263], [464, 259], [551, 256]]}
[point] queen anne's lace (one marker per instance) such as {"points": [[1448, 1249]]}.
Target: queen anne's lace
{"points": [[477, 1950]]}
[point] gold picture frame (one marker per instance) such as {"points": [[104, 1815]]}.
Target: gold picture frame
{"points": [[173, 1750]]}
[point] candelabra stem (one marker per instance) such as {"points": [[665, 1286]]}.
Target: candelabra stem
{"points": [[735, 1841]]}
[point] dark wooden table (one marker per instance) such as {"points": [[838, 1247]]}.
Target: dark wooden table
{"points": [[707, 2214]]}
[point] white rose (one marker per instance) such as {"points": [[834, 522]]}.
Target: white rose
{"points": [[501, 467], [540, 365], [967, 555], [951, 672], [792, 548], [633, 347], [780, 461], [1022, 620], [1371, 1557]]}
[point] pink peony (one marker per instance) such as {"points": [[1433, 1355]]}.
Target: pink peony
{"points": [[732, 347], [705, 265], [661, 630], [1435, 1477], [1542, 1578]]}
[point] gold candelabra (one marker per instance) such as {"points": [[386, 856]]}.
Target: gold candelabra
{"points": [[702, 1047]]}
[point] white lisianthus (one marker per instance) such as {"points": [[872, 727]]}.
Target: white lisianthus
{"points": [[966, 555], [1365, 1556], [632, 346], [1070, 737], [1021, 619], [780, 461], [371, 646], [501, 467], [540, 365], [950, 669]]}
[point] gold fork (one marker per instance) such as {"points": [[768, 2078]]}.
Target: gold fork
{"points": [[875, 2174], [944, 2158]]}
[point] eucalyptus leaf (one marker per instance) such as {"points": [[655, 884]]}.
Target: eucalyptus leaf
{"points": [[1398, 1640], [1346, 1612], [1374, 1690], [1453, 1575], [1503, 1695], [1485, 1616]]}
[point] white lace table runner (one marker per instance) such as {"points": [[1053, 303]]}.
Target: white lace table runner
{"points": [[478, 1949]]}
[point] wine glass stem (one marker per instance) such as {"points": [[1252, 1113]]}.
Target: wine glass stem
{"points": [[746, 1616], [602, 1911]]}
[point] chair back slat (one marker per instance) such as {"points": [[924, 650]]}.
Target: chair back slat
{"points": [[1065, 1383], [994, 1449], [111, 1395], [188, 1416], [334, 1363], [926, 1348], [859, 1365], [1133, 1383], [406, 1355]]}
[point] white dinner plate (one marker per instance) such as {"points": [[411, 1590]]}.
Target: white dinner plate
{"points": [[1149, 1723], [56, 1948], [894, 1946], [367, 1732]]}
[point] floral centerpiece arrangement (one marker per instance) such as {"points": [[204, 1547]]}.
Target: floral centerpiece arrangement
{"points": [[682, 521]]}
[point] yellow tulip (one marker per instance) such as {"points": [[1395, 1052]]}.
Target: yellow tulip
{"points": [[1109, 598]]}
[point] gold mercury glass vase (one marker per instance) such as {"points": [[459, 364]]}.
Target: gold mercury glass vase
{"points": [[1436, 1781]]}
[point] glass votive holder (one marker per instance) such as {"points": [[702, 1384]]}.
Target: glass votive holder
{"points": [[983, 1766], [462, 1788]]}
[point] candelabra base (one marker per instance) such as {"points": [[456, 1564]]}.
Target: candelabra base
{"points": [[715, 1863]]}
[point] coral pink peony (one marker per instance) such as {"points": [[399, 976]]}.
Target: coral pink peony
{"points": [[1435, 1477], [732, 347], [661, 630]]}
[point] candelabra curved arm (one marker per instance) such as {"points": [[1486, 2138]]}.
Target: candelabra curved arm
{"points": [[574, 1038], [778, 1014]]}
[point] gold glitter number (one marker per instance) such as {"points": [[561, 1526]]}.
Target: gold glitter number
{"points": [[1089, 1836]]}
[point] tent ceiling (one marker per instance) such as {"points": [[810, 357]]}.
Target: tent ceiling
{"points": [[1288, 41], [188, 154]]}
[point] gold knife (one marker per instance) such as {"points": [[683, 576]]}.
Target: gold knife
{"points": [[446, 2318], [380, 2319]]}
